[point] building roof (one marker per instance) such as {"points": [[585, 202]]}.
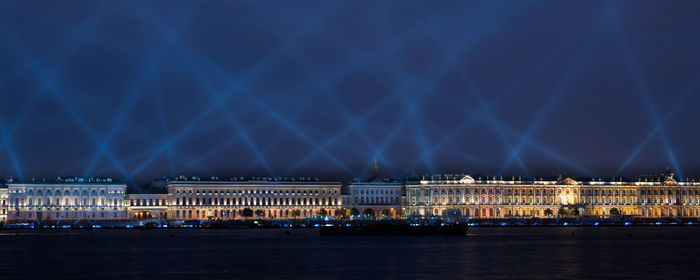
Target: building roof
{"points": [[254, 182], [567, 181], [242, 179], [665, 179], [66, 181]]}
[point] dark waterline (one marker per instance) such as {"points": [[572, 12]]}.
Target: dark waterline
{"points": [[521, 253]]}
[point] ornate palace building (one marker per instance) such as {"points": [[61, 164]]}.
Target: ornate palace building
{"points": [[69, 199], [462, 195], [271, 198]]}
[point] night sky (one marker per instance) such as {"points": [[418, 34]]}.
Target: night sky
{"points": [[138, 90]]}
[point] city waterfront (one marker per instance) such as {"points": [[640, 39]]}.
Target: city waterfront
{"points": [[488, 252], [362, 140], [452, 196]]}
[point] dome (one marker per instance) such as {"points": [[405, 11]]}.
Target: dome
{"points": [[567, 181], [670, 182]]}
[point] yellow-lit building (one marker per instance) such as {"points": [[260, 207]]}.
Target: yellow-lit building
{"points": [[438, 195], [270, 198]]}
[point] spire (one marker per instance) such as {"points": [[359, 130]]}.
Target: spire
{"points": [[375, 170]]}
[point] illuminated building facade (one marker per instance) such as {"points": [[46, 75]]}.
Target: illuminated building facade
{"points": [[66, 200], [462, 195], [148, 206], [270, 198], [383, 197], [3, 205]]}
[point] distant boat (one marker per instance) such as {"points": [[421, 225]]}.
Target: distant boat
{"points": [[397, 229]]}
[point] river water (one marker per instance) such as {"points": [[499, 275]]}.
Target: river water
{"points": [[661, 252]]}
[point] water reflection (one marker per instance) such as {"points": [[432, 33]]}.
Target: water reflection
{"points": [[524, 253]]}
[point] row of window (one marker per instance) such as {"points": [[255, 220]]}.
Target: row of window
{"points": [[588, 191], [67, 202], [75, 192], [491, 212], [74, 215], [372, 200], [228, 214], [147, 202], [188, 201], [548, 200], [378, 192], [255, 191]]}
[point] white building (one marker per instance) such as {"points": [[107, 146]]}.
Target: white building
{"points": [[148, 206], [383, 197], [3, 205], [70, 199]]}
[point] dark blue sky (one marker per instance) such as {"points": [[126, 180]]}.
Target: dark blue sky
{"points": [[138, 90]]}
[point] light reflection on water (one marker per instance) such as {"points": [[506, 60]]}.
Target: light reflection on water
{"points": [[523, 253]]}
